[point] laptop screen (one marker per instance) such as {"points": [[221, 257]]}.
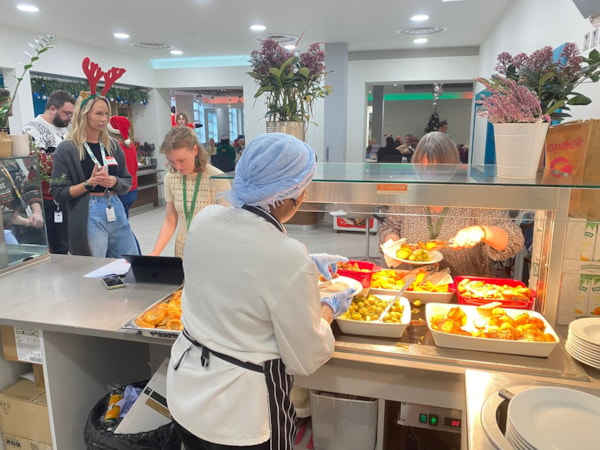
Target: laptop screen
{"points": [[154, 269]]}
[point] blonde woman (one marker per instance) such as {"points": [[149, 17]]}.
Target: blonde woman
{"points": [[92, 173], [187, 185]]}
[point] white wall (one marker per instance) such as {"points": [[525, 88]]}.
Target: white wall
{"points": [[411, 116], [531, 24]]}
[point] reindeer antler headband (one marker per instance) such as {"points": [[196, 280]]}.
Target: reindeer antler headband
{"points": [[94, 73]]}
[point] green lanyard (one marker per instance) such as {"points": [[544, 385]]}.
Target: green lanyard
{"points": [[190, 214], [434, 231]]}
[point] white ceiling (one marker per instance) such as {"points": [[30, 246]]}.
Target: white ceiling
{"points": [[221, 27]]}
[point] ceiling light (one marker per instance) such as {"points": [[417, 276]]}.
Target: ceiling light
{"points": [[281, 39], [176, 52], [151, 45], [121, 35], [28, 8], [289, 47], [258, 27], [420, 41], [420, 31], [419, 18]]}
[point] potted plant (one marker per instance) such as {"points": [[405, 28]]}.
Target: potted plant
{"points": [[41, 45], [520, 126], [554, 81], [291, 82]]}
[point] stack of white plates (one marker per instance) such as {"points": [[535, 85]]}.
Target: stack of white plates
{"points": [[553, 418], [583, 342]]}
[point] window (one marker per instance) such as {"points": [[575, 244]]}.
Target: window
{"points": [[212, 126]]}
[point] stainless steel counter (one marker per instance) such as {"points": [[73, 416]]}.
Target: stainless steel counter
{"points": [[53, 295], [481, 386]]}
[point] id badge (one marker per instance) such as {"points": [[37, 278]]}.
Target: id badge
{"points": [[58, 218], [110, 214]]}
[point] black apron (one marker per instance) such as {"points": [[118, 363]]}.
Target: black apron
{"points": [[279, 384]]}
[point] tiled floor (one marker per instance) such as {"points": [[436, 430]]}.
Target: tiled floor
{"points": [[322, 239]]}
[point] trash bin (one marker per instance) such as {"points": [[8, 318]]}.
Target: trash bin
{"points": [[97, 438]]}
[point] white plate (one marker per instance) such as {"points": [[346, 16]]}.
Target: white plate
{"points": [[435, 256], [587, 329], [556, 418], [379, 329], [449, 340], [355, 285]]}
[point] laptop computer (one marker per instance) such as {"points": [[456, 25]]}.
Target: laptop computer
{"points": [[154, 269]]}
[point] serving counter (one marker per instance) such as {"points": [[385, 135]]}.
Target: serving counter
{"points": [[84, 347]]}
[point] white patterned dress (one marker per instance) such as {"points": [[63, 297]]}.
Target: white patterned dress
{"points": [[207, 195]]}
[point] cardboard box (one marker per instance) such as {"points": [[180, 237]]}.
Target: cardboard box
{"points": [[150, 409], [20, 443], [38, 376], [573, 296], [24, 412], [589, 241], [21, 344], [593, 305]]}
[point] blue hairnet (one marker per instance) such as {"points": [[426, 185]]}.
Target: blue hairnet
{"points": [[273, 167]]}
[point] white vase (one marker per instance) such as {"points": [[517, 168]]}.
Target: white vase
{"points": [[519, 147]]}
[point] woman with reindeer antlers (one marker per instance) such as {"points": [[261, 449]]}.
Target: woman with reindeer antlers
{"points": [[91, 172]]}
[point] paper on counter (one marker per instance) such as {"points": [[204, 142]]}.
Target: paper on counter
{"points": [[118, 267]]}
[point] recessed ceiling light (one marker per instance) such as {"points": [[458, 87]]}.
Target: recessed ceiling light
{"points": [[258, 27], [420, 41], [121, 35], [289, 47], [28, 8], [176, 52], [419, 17]]}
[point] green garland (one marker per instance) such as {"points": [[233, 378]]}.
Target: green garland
{"points": [[43, 86]]}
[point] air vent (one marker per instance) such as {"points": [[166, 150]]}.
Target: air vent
{"points": [[420, 31], [448, 87], [152, 46], [280, 38]]}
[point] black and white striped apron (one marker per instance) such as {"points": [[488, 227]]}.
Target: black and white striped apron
{"points": [[279, 384], [282, 414]]}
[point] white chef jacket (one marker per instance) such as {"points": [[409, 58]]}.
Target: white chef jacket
{"points": [[250, 292]]}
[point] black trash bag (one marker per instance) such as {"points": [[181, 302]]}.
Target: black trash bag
{"points": [[97, 438]]}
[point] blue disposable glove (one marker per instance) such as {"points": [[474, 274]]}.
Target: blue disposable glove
{"points": [[339, 302], [325, 261]]}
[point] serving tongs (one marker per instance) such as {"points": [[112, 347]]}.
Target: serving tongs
{"points": [[408, 280], [436, 243]]}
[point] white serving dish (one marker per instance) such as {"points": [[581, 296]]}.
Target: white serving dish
{"points": [[378, 329], [449, 340]]}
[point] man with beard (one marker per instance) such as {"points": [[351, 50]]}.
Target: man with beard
{"points": [[48, 130]]}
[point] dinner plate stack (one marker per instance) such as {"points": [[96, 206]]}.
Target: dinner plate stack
{"points": [[583, 342], [553, 418]]}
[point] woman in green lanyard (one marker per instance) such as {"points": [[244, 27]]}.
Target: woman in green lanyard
{"points": [[187, 185], [479, 236]]}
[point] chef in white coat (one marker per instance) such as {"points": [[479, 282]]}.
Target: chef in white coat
{"points": [[252, 311]]}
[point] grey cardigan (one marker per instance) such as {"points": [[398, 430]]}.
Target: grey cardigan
{"points": [[66, 167]]}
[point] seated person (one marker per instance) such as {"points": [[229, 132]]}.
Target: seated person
{"points": [[389, 153], [479, 235]]}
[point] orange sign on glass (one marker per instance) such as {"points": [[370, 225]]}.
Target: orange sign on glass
{"points": [[389, 188]]}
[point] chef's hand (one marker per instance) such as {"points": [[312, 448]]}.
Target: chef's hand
{"points": [[339, 302], [325, 262], [469, 237]]}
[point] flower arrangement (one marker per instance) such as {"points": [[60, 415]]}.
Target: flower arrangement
{"points": [[291, 81], [144, 150], [40, 46], [554, 82], [510, 102]]}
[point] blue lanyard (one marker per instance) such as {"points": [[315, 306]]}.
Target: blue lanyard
{"points": [[93, 157]]}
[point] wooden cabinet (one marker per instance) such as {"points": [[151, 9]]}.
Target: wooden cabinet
{"points": [[149, 182]]}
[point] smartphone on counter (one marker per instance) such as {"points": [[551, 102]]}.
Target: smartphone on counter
{"points": [[113, 282]]}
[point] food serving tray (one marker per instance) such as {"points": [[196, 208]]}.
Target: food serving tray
{"points": [[423, 296], [450, 340], [378, 329], [154, 332]]}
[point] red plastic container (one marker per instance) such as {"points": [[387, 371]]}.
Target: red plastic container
{"points": [[363, 277], [499, 282]]}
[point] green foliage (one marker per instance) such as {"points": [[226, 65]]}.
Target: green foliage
{"points": [[40, 46], [43, 85]]}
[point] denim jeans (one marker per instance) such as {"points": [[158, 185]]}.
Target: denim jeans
{"points": [[109, 239]]}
